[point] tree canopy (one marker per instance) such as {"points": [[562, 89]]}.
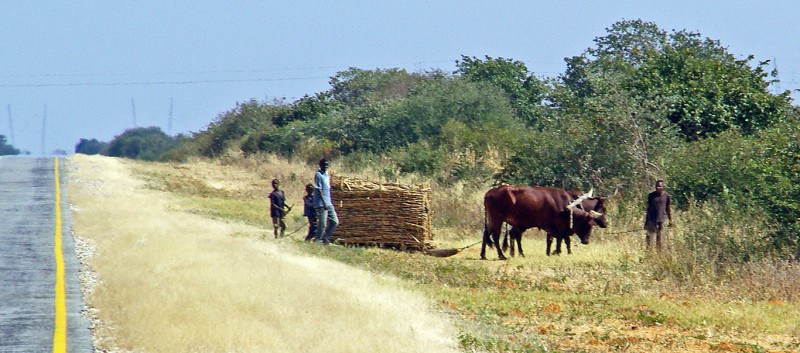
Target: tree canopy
{"points": [[90, 147], [6, 149], [704, 89], [141, 143]]}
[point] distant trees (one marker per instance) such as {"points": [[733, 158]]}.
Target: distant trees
{"points": [[141, 143], [388, 113], [6, 149], [611, 121], [90, 147], [526, 93], [148, 143]]}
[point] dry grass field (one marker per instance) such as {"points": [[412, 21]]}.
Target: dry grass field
{"points": [[173, 281], [187, 262]]}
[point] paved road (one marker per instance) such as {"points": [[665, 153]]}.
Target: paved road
{"points": [[28, 260]]}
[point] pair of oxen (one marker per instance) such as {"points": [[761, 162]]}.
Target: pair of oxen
{"points": [[558, 212]]}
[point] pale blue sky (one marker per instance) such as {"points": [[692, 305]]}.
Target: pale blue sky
{"points": [[90, 62]]}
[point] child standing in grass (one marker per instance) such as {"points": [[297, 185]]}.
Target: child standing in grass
{"points": [[309, 212], [278, 208]]}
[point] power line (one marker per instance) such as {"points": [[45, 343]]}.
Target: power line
{"points": [[133, 111], [154, 83], [165, 73], [44, 128], [169, 122], [188, 82], [178, 82]]}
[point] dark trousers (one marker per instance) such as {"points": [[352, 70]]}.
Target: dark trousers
{"points": [[312, 228], [655, 230], [280, 226]]}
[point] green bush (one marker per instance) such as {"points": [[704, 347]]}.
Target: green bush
{"points": [[753, 173], [712, 243], [6, 149], [419, 158], [90, 147], [141, 143], [238, 125]]}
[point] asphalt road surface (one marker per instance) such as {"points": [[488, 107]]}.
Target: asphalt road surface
{"points": [[33, 312]]}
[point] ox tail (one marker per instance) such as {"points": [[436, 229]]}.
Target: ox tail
{"points": [[505, 237], [487, 239]]}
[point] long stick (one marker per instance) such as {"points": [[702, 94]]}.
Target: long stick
{"points": [[471, 245], [295, 231], [626, 231]]}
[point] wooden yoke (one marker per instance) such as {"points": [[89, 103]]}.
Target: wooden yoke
{"points": [[573, 204]]}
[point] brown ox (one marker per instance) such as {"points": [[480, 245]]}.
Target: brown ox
{"points": [[515, 234], [525, 207]]}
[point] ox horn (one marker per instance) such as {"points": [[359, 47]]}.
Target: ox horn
{"points": [[594, 214]]}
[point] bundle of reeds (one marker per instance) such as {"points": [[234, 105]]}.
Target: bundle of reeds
{"points": [[382, 214]]}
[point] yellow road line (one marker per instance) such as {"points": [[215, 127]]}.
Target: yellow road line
{"points": [[60, 329]]}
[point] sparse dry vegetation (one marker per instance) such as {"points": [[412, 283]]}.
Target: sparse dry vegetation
{"points": [[176, 281], [608, 296]]}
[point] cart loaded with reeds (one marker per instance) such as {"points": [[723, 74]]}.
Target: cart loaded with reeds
{"points": [[388, 215]]}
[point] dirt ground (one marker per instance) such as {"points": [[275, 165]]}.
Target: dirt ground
{"points": [[160, 280]]}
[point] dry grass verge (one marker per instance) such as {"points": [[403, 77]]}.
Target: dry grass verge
{"points": [[172, 281], [606, 297]]}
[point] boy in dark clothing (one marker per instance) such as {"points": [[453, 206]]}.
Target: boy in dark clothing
{"points": [[658, 205], [278, 208], [309, 212]]}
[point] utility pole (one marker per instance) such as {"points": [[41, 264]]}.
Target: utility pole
{"points": [[133, 111], [10, 126], [44, 128], [777, 78], [169, 123]]}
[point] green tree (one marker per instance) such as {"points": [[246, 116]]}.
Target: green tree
{"points": [[525, 92], [141, 143], [610, 140], [705, 88], [6, 149], [234, 127], [383, 122], [432, 104], [357, 87], [306, 108], [90, 147], [758, 172], [343, 115]]}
